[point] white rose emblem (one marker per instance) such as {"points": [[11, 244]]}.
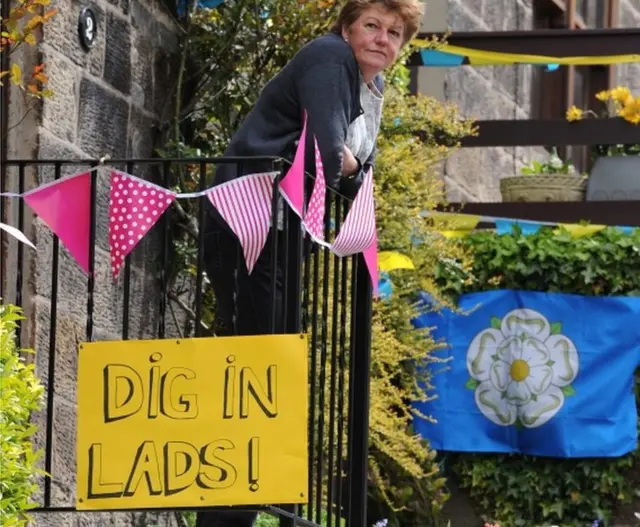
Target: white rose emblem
{"points": [[521, 369]]}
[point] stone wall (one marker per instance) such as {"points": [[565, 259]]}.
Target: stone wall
{"points": [[494, 92], [108, 102], [629, 16], [489, 92]]}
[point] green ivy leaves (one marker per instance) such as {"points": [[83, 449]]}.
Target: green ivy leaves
{"points": [[517, 490]]}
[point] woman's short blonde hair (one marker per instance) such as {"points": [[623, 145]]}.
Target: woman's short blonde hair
{"points": [[410, 11]]}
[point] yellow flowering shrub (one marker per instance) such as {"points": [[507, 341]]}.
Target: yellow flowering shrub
{"points": [[20, 394], [240, 50]]}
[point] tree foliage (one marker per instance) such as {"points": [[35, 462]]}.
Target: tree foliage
{"points": [[519, 490], [21, 28]]}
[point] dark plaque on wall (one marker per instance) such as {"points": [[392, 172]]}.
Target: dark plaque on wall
{"points": [[87, 28]]}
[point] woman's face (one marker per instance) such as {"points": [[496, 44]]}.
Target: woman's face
{"points": [[375, 38]]}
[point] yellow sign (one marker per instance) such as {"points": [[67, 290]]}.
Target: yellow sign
{"points": [[192, 423]]}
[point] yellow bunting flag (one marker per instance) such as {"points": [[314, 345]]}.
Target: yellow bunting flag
{"points": [[578, 231], [481, 57], [453, 225], [192, 423], [461, 233], [390, 260]]}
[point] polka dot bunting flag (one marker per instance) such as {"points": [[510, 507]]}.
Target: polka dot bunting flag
{"points": [[134, 207], [314, 219]]}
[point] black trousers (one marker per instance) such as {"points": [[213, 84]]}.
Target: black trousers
{"points": [[244, 306]]}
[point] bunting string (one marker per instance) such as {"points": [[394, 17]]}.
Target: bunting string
{"points": [[245, 204], [135, 205]]}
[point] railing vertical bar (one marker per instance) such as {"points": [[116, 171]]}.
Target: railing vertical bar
{"points": [[306, 277], [286, 267], [20, 255], [165, 243], [352, 333], [53, 322], [127, 281], [359, 379], [334, 372], [92, 250], [292, 307], [275, 200], [202, 185], [323, 374], [344, 281], [313, 375], [337, 261], [3, 173]]}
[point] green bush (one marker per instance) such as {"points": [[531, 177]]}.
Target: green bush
{"points": [[20, 395], [519, 490]]}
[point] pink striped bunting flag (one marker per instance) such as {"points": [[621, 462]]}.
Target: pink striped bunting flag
{"points": [[245, 204], [359, 228], [314, 218]]}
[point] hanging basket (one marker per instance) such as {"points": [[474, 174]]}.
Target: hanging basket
{"points": [[543, 187]]}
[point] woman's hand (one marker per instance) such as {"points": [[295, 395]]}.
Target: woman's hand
{"points": [[350, 164]]}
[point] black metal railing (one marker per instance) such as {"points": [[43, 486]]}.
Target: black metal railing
{"points": [[325, 296]]}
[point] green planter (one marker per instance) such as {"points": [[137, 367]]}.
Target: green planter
{"points": [[543, 187]]}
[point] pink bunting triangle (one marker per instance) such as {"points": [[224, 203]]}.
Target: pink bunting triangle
{"points": [[134, 207], [65, 206], [359, 228], [292, 184], [314, 218], [245, 204], [370, 255]]}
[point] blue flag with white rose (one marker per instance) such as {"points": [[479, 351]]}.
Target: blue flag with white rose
{"points": [[546, 374]]}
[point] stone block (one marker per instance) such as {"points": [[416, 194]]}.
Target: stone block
{"points": [[103, 120], [54, 519], [72, 282], [142, 72], [70, 331], [629, 75], [629, 15], [61, 34], [474, 6], [149, 19], [117, 62], [143, 134], [461, 17], [165, 37], [60, 112], [496, 13], [515, 82], [475, 96], [456, 193], [63, 471], [53, 147], [141, 19], [73, 285], [524, 15], [164, 72], [477, 171]]}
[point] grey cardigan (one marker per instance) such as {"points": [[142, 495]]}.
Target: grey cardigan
{"points": [[323, 79]]}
